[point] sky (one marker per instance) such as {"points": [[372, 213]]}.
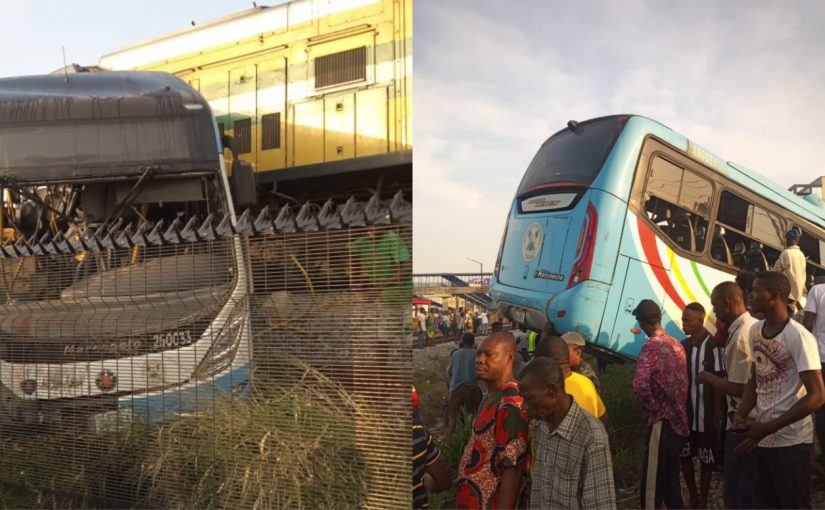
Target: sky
{"points": [[494, 79], [34, 31]]}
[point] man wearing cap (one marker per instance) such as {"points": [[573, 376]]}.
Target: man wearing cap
{"points": [[791, 263], [661, 385], [575, 344]]}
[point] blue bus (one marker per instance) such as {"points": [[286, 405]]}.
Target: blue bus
{"points": [[617, 209]]}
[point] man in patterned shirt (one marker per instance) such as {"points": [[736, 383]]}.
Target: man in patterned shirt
{"points": [[571, 463], [786, 375], [660, 385], [491, 471]]}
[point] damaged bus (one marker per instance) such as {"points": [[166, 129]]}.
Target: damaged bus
{"points": [[120, 299]]}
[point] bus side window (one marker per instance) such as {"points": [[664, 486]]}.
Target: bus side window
{"points": [[812, 247], [678, 202], [719, 249]]}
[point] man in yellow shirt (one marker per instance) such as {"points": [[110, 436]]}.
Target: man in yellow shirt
{"points": [[576, 385]]}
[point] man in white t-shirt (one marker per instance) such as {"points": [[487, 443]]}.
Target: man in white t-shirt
{"points": [[786, 376], [814, 321], [740, 468], [791, 263], [485, 323], [422, 327]]}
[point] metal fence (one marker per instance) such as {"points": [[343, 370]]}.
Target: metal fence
{"points": [[248, 371]]}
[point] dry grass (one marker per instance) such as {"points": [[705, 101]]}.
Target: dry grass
{"points": [[290, 446]]}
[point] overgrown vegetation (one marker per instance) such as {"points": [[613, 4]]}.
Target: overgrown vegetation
{"points": [[292, 445], [451, 451]]}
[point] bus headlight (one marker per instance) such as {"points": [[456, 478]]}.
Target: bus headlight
{"points": [[225, 345]]}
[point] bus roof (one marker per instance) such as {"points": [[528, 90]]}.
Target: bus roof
{"points": [[100, 124], [92, 96]]}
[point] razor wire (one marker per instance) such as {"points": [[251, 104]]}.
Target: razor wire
{"points": [[263, 362]]}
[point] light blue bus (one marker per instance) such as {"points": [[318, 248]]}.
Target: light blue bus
{"points": [[618, 209]]}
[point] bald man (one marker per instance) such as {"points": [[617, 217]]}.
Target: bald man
{"points": [[740, 468], [491, 471]]}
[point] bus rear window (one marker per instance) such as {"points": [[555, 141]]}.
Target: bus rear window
{"points": [[570, 157]]}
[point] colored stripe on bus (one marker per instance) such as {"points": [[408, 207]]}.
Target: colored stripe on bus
{"points": [[648, 241], [678, 273], [699, 278]]}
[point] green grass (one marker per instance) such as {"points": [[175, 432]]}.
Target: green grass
{"points": [[627, 426], [451, 451]]}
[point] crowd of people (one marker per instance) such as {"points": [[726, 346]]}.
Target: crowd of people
{"points": [[739, 401], [437, 322]]}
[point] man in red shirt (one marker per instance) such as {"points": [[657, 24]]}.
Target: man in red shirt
{"points": [[491, 471], [661, 387]]}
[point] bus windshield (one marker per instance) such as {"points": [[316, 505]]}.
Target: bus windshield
{"points": [[572, 157]]}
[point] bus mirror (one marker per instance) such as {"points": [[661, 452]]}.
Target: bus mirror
{"points": [[228, 142], [242, 182]]}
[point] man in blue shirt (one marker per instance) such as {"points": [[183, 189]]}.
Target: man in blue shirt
{"points": [[464, 389]]}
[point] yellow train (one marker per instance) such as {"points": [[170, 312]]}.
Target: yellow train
{"points": [[308, 88]]}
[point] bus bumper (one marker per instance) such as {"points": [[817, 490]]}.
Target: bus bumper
{"points": [[191, 398]]}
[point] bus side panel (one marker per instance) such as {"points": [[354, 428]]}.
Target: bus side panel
{"points": [[611, 211], [635, 287], [580, 308], [611, 307], [656, 272]]}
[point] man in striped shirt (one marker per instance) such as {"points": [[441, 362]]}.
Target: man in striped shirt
{"points": [[426, 459], [704, 405]]}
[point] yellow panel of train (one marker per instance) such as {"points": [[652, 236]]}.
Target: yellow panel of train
{"points": [[308, 82]]}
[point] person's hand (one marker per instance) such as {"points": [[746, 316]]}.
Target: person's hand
{"points": [[704, 377], [754, 433]]}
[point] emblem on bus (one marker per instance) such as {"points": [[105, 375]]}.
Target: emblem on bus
{"points": [[106, 380], [531, 244]]}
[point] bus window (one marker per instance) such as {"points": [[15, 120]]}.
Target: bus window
{"points": [[572, 156], [767, 227], [719, 248], [677, 202], [811, 247], [733, 211], [753, 233]]}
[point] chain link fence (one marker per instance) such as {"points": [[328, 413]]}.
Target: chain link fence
{"points": [[255, 371]]}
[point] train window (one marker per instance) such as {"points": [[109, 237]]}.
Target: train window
{"points": [[271, 131], [221, 129], [677, 202], [342, 67], [243, 135]]}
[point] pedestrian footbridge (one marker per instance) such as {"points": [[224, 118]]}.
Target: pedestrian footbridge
{"points": [[472, 287]]}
